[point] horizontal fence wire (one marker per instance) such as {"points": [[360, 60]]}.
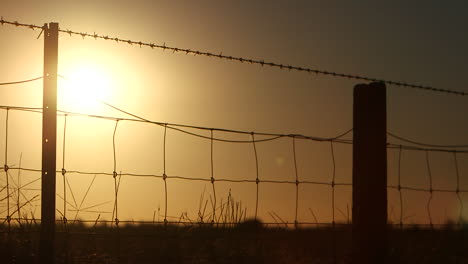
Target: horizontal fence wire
{"points": [[280, 66]]}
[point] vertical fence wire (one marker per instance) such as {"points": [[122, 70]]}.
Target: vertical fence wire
{"points": [[257, 180], [400, 153], [114, 174], [333, 202], [5, 168], [164, 174], [64, 172], [333, 183], [429, 173], [457, 191], [213, 179], [297, 181]]}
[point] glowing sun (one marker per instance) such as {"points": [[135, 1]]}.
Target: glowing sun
{"points": [[82, 87]]}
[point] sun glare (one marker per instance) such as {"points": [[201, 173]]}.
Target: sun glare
{"points": [[82, 87]]}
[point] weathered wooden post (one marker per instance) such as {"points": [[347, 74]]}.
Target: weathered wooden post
{"points": [[49, 143], [369, 174]]}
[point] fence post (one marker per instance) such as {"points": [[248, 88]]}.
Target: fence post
{"points": [[49, 143], [369, 174]]}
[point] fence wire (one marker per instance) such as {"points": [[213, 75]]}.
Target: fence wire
{"points": [[119, 173], [220, 55]]}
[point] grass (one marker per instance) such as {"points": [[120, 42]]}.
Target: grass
{"points": [[147, 243], [221, 233]]}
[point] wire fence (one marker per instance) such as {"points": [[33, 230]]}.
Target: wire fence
{"points": [[15, 201], [20, 196], [164, 180], [213, 178]]}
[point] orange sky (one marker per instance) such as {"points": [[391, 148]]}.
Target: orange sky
{"points": [[397, 41]]}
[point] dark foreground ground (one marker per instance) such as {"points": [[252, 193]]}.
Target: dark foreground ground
{"points": [[195, 244]]}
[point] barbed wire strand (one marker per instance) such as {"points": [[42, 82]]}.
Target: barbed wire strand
{"points": [[262, 63], [257, 180], [460, 200], [18, 24], [429, 173]]}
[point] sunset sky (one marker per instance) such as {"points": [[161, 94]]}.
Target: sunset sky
{"points": [[421, 42]]}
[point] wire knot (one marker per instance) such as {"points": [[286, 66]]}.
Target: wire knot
{"points": [[8, 218], [257, 180], [117, 221], [5, 168], [399, 188], [333, 184], [64, 220], [212, 180], [114, 174], [297, 182], [164, 176], [64, 171]]}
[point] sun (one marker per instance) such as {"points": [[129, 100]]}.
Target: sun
{"points": [[82, 87]]}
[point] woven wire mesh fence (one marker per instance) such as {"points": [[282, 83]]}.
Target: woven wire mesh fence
{"points": [[117, 170], [115, 176]]}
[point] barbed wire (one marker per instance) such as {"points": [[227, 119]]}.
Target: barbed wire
{"points": [[262, 63], [18, 24]]}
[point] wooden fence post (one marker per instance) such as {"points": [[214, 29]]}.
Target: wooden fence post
{"points": [[369, 174]]}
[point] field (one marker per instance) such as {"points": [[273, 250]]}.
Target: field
{"points": [[134, 243]]}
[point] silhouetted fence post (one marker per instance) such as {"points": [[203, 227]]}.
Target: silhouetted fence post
{"points": [[49, 143], [369, 174]]}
